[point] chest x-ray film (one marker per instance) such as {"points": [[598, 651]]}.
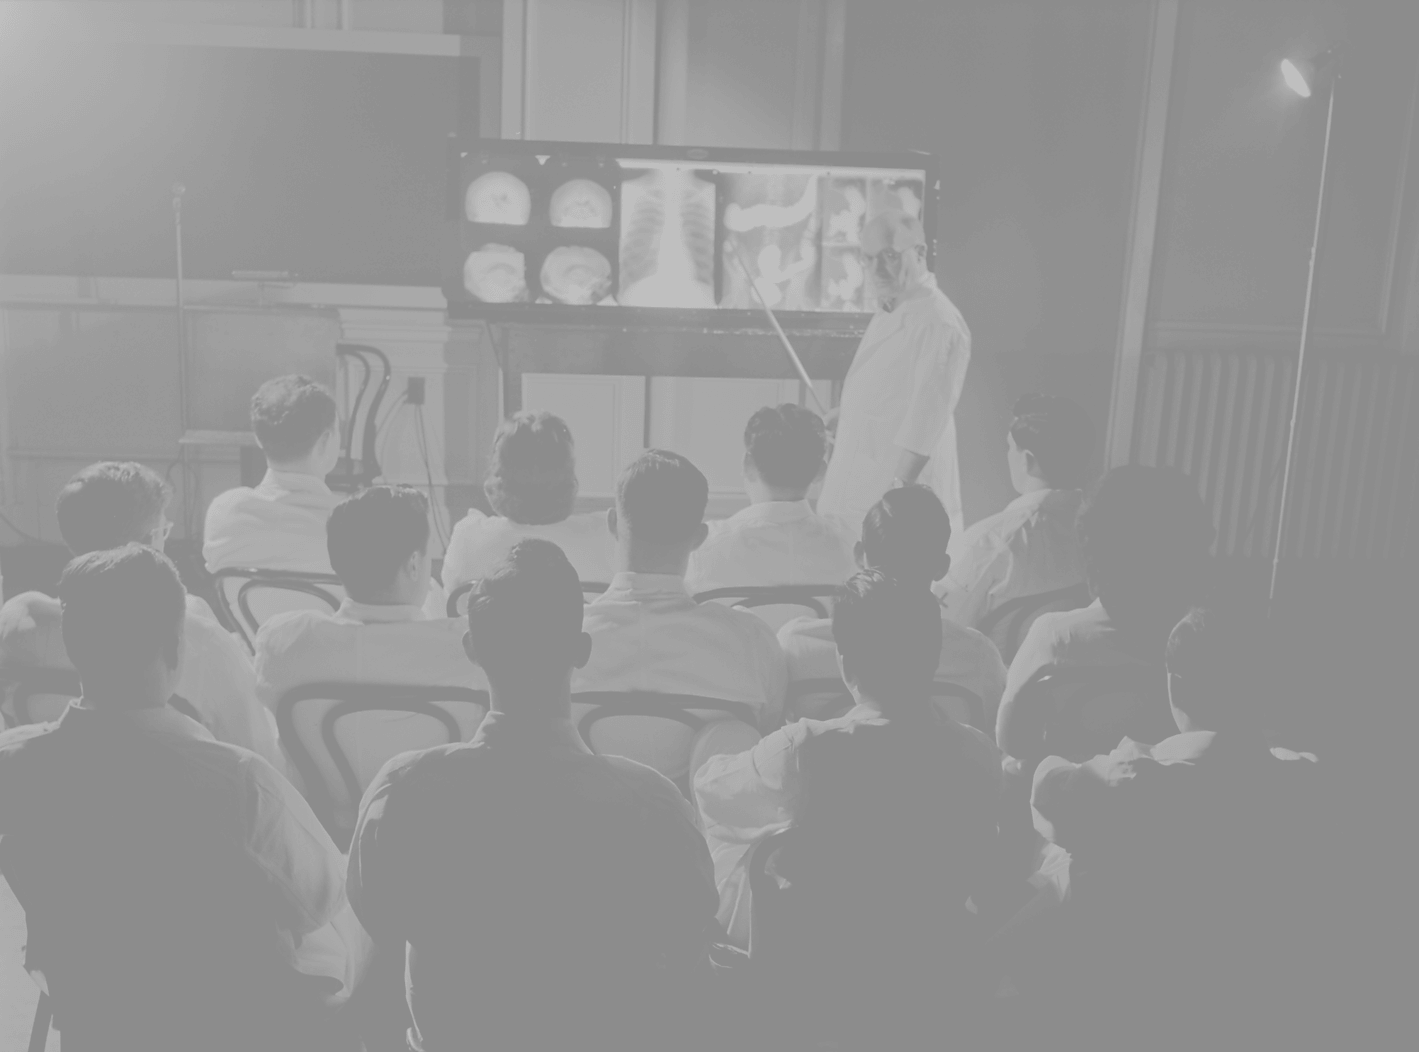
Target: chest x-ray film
{"points": [[586, 225]]}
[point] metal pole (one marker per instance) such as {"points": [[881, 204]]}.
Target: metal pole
{"points": [[1301, 356], [792, 354], [177, 191]]}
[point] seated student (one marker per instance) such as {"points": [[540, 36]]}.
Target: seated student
{"points": [[1030, 547], [550, 898], [1145, 536], [172, 884], [379, 546], [280, 524], [905, 537], [532, 488], [778, 538], [1214, 837], [650, 635], [894, 805], [111, 504]]}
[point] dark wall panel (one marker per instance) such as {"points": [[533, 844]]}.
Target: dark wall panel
{"points": [[1243, 163], [1033, 110]]}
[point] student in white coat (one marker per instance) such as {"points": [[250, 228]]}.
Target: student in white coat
{"points": [[896, 419]]}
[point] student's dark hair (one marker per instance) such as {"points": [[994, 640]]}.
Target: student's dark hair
{"points": [[905, 534], [1213, 661], [289, 414], [109, 504], [786, 444], [122, 607], [532, 470], [889, 635], [526, 613], [1059, 433], [1145, 535], [372, 534], [661, 497]]}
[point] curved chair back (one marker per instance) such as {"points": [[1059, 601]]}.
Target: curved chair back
{"points": [[1007, 624], [1087, 709], [458, 598], [674, 733], [338, 736], [776, 603], [248, 598], [37, 695], [826, 699]]}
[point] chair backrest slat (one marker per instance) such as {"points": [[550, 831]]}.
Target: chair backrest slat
{"points": [[1007, 624], [235, 586]]}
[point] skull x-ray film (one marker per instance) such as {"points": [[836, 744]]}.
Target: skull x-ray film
{"points": [[585, 225]]}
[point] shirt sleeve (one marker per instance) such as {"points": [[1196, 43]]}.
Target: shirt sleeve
{"points": [[1035, 653], [301, 862], [747, 796], [223, 691], [966, 591], [941, 352], [457, 564], [374, 878], [773, 673]]}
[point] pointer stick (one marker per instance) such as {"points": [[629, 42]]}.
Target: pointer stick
{"points": [[792, 354]]}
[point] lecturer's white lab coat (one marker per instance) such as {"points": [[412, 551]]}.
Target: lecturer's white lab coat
{"points": [[900, 393]]}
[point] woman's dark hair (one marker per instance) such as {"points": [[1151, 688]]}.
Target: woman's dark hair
{"points": [[532, 475], [905, 534]]}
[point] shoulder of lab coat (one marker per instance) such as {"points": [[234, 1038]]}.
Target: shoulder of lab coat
{"points": [[940, 345]]}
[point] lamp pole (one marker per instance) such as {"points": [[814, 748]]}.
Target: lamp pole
{"points": [[1301, 356]]}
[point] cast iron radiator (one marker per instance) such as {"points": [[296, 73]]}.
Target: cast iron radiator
{"points": [[1221, 416]]}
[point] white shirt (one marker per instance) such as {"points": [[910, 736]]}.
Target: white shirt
{"points": [[900, 394], [968, 659], [480, 542], [649, 634], [774, 542], [1068, 637], [216, 676], [365, 643], [278, 525], [1028, 548]]}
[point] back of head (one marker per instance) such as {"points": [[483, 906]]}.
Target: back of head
{"points": [[905, 534], [888, 634], [373, 534], [1145, 535], [661, 499], [1212, 671], [109, 504], [786, 444], [532, 474], [1059, 434], [524, 618], [290, 414], [123, 609]]}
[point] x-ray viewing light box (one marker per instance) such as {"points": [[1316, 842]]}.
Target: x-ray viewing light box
{"points": [[599, 227]]}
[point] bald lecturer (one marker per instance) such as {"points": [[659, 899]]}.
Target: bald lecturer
{"points": [[896, 420]]}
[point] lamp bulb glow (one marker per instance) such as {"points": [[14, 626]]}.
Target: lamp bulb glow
{"points": [[1295, 80]]}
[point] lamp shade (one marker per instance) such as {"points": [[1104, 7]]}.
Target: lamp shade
{"points": [[1303, 74], [1295, 79]]}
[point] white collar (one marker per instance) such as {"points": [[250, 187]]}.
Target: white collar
{"points": [[647, 583], [773, 511], [293, 481], [379, 613]]}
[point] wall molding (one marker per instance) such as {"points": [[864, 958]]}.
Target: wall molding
{"points": [[1143, 224]]}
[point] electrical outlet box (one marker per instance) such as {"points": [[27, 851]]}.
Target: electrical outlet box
{"points": [[414, 393]]}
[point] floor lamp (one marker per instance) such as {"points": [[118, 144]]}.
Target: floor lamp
{"points": [[1302, 76]]}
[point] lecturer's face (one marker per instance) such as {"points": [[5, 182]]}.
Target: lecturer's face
{"points": [[893, 268]]}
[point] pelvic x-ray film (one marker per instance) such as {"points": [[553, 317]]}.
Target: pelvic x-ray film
{"points": [[577, 225]]}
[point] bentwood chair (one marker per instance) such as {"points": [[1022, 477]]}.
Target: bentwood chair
{"points": [[825, 699], [338, 736], [775, 603], [458, 598], [1007, 624], [248, 597], [674, 733]]}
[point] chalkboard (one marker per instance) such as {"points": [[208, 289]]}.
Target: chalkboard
{"points": [[330, 165]]}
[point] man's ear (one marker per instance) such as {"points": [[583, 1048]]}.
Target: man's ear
{"points": [[470, 648], [701, 535], [845, 671], [945, 565], [611, 521], [1032, 466], [582, 653]]}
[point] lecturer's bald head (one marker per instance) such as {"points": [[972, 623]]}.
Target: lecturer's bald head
{"points": [[894, 249]]}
